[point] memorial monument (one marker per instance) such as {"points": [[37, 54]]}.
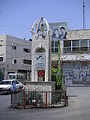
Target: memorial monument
{"points": [[41, 58]]}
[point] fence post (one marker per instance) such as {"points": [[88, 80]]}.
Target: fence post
{"points": [[46, 99], [24, 99]]}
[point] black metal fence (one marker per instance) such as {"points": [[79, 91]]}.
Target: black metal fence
{"points": [[39, 99]]}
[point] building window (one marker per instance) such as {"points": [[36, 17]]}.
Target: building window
{"points": [[13, 47], [25, 61], [89, 45], [1, 59], [26, 50], [40, 50], [83, 45], [75, 45], [14, 61], [54, 46], [1, 40], [67, 46]]}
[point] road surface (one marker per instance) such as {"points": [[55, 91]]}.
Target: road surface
{"points": [[78, 109]]}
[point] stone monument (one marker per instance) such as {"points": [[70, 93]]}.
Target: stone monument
{"points": [[41, 58]]}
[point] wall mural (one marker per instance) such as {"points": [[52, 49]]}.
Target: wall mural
{"points": [[59, 30], [76, 73], [40, 61]]}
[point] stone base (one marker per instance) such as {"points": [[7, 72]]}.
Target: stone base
{"points": [[40, 86], [45, 87]]}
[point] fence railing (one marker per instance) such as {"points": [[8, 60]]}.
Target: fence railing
{"points": [[39, 99]]}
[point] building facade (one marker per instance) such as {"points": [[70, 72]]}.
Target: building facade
{"points": [[15, 56], [75, 57]]}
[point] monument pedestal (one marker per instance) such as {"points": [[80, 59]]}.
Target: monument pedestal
{"points": [[40, 86], [46, 88]]}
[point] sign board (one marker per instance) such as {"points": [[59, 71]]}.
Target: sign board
{"points": [[59, 30]]}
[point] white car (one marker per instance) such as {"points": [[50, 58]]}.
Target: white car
{"points": [[6, 86]]}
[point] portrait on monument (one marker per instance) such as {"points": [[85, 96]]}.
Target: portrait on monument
{"points": [[59, 30]]}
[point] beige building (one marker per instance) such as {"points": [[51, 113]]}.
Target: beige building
{"points": [[75, 57], [15, 56]]}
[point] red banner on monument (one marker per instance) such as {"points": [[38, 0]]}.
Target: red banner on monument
{"points": [[41, 73]]}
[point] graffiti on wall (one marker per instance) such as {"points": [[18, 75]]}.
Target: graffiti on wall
{"points": [[77, 73]]}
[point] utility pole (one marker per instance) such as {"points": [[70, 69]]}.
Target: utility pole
{"points": [[84, 14]]}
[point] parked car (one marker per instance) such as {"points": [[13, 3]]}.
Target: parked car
{"points": [[6, 86]]}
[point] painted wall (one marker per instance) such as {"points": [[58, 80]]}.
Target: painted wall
{"points": [[76, 73]]}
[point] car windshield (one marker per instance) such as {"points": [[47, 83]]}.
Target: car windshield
{"points": [[6, 83]]}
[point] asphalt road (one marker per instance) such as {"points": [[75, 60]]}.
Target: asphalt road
{"points": [[78, 109]]}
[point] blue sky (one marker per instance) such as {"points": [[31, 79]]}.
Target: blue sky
{"points": [[18, 16]]}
